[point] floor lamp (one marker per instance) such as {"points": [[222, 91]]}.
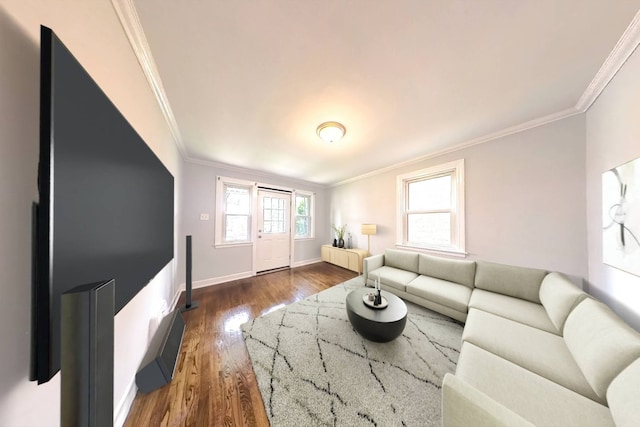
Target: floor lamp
{"points": [[368, 230]]}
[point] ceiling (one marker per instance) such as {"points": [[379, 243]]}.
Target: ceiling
{"points": [[248, 82]]}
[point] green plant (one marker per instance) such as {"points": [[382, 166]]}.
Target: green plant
{"points": [[340, 231]]}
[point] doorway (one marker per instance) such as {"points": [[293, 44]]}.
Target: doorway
{"points": [[273, 245]]}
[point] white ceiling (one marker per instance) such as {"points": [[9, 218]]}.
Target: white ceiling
{"points": [[248, 82]]}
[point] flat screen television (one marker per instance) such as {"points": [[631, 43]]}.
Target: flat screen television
{"points": [[106, 202]]}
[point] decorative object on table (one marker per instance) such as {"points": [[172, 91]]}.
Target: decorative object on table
{"points": [[368, 230], [340, 234], [298, 347], [378, 295], [621, 217], [369, 299], [335, 243], [349, 241]]}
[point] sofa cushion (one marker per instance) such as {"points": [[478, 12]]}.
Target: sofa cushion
{"points": [[519, 282], [463, 405], [403, 260], [623, 396], [392, 277], [538, 351], [434, 306], [559, 296], [600, 342], [452, 270], [449, 294], [533, 397], [516, 309]]}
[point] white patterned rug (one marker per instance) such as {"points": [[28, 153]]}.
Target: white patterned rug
{"points": [[313, 368]]}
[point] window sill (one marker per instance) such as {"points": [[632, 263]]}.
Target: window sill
{"points": [[298, 239], [454, 252]]}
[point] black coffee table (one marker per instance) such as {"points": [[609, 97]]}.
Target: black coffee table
{"points": [[380, 325]]}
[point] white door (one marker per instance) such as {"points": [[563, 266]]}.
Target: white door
{"points": [[273, 246]]}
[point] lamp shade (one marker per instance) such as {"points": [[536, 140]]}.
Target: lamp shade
{"points": [[369, 229]]}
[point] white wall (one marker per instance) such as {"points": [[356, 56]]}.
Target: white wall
{"points": [[525, 199], [613, 138], [90, 29], [215, 265]]}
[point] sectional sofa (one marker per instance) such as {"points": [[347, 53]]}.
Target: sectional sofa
{"points": [[536, 349]]}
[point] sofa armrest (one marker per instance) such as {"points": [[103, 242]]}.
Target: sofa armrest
{"points": [[370, 264], [464, 405]]}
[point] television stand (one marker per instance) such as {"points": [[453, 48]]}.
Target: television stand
{"points": [[159, 364]]}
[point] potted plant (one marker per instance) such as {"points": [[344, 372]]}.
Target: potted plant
{"points": [[340, 234]]}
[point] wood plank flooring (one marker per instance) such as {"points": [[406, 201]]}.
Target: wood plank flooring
{"points": [[214, 383]]}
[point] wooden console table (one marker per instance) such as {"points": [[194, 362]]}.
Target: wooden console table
{"points": [[350, 259]]}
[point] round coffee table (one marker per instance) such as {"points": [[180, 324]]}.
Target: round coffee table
{"points": [[380, 325]]}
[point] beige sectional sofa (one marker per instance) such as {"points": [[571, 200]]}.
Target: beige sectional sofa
{"points": [[536, 349]]}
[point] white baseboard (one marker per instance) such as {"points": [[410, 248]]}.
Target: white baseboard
{"points": [[215, 281], [224, 279], [174, 301], [305, 262], [123, 408]]}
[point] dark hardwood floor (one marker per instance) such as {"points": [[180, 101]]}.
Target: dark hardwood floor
{"points": [[214, 383]]}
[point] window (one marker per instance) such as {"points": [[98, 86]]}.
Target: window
{"points": [[234, 201], [304, 215], [431, 208], [273, 214]]}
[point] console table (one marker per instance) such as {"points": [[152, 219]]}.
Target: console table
{"points": [[350, 259]]}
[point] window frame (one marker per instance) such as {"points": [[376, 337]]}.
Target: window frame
{"points": [[311, 196], [220, 230], [457, 210]]}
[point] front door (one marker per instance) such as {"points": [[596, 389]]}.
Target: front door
{"points": [[273, 245]]}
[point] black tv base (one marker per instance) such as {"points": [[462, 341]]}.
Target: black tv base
{"points": [[159, 363]]}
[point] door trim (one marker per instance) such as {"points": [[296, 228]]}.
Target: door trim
{"points": [[276, 189]]}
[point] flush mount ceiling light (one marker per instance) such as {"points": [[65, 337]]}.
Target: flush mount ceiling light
{"points": [[331, 131]]}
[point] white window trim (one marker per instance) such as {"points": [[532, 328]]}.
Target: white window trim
{"points": [[312, 216], [458, 248], [219, 233]]}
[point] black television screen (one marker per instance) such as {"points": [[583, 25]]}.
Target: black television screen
{"points": [[106, 201]]}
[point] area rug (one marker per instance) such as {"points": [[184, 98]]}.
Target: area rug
{"points": [[313, 368]]}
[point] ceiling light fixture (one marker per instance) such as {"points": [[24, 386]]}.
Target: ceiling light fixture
{"points": [[331, 131]]}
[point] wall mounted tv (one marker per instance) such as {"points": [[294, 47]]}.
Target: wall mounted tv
{"points": [[106, 201]]}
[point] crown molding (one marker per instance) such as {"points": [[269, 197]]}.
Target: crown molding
{"points": [[626, 45], [254, 172], [571, 111], [130, 22]]}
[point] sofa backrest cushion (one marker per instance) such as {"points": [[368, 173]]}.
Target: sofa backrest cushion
{"points": [[623, 396], [559, 296], [518, 282], [600, 342], [453, 270], [403, 260]]}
